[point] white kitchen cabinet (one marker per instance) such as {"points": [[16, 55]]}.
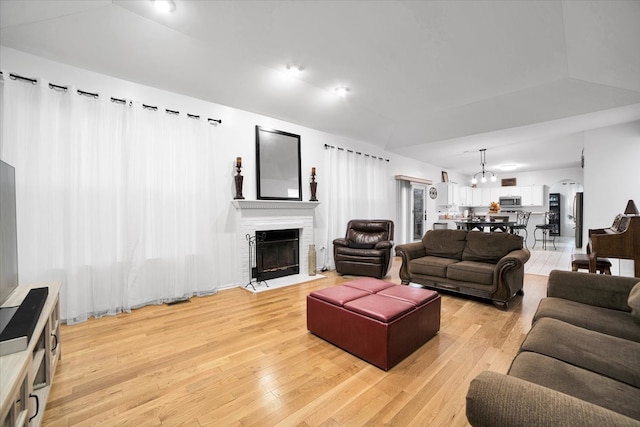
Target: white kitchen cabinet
{"points": [[537, 195], [465, 196], [496, 192], [476, 197], [448, 194], [525, 192], [511, 191], [533, 195], [486, 197]]}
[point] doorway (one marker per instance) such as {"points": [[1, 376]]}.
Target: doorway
{"points": [[567, 189], [418, 211]]}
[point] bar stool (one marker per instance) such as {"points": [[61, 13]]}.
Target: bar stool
{"points": [[581, 261], [522, 221], [546, 228]]}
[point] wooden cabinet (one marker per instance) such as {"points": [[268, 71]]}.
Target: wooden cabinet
{"points": [[26, 376]]}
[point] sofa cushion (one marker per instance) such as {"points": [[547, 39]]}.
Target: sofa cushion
{"points": [[581, 383], [356, 245], [364, 256], [445, 243], [611, 322], [471, 271], [431, 266], [634, 301], [586, 349], [496, 399], [490, 247], [365, 239]]}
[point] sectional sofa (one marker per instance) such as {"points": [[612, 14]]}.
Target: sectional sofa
{"points": [[579, 364]]}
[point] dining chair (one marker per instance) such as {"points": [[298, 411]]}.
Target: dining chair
{"points": [[522, 220]]}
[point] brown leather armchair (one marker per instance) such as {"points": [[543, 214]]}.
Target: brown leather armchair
{"points": [[366, 248]]}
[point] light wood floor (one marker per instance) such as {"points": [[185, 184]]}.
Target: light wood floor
{"points": [[237, 358]]}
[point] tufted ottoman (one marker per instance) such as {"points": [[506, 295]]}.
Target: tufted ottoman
{"points": [[375, 320]]}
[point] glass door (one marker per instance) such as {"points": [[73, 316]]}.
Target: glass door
{"points": [[418, 211]]}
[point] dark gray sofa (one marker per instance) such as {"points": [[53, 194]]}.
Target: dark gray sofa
{"points": [[485, 265], [579, 364]]}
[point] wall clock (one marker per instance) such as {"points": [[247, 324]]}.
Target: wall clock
{"points": [[433, 193]]}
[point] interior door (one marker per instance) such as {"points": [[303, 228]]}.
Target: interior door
{"points": [[418, 211]]}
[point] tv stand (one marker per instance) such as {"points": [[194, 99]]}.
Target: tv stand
{"points": [[26, 376]]}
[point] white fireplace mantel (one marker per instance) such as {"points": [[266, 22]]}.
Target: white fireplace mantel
{"points": [[273, 204], [261, 215]]}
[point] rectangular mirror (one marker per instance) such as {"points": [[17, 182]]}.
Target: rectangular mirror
{"points": [[278, 165]]}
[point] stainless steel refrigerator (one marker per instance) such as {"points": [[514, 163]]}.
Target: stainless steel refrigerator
{"points": [[578, 217]]}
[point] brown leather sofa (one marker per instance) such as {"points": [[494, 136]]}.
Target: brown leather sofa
{"points": [[366, 248], [485, 265]]}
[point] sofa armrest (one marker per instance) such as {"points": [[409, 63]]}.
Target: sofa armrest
{"points": [[342, 241], [495, 400], [407, 252], [599, 290], [509, 276], [516, 258], [384, 244], [411, 250]]}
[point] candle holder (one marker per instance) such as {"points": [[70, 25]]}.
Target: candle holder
{"points": [[314, 185], [239, 180]]}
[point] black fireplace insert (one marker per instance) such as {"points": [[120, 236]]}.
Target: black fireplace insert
{"points": [[277, 254]]}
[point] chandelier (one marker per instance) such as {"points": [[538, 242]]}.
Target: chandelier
{"points": [[483, 172]]}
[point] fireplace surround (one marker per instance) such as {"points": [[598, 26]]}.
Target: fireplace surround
{"points": [[259, 215]]}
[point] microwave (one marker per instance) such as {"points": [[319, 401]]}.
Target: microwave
{"points": [[510, 202]]}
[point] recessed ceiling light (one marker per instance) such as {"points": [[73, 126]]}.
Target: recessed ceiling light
{"points": [[341, 91], [164, 6], [293, 70]]}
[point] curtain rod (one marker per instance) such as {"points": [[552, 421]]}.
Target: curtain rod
{"points": [[327, 146], [95, 95], [13, 76]]}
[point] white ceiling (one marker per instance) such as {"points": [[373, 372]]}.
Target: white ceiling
{"points": [[436, 81]]}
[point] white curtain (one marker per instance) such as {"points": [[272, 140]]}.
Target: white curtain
{"points": [[116, 201], [358, 188]]}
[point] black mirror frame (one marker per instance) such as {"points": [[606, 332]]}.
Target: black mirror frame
{"points": [[260, 129]]}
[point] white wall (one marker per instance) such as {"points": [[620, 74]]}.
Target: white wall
{"points": [[234, 138], [611, 176]]}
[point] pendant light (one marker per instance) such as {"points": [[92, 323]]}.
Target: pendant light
{"points": [[483, 172]]}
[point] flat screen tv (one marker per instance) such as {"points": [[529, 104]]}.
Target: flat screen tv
{"points": [[8, 232]]}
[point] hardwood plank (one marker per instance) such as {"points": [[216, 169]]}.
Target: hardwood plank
{"points": [[237, 358]]}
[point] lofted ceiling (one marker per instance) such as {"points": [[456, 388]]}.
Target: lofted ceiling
{"points": [[432, 80]]}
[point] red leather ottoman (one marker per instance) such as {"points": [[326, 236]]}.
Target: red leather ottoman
{"points": [[375, 320]]}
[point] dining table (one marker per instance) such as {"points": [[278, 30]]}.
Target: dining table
{"points": [[481, 224]]}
